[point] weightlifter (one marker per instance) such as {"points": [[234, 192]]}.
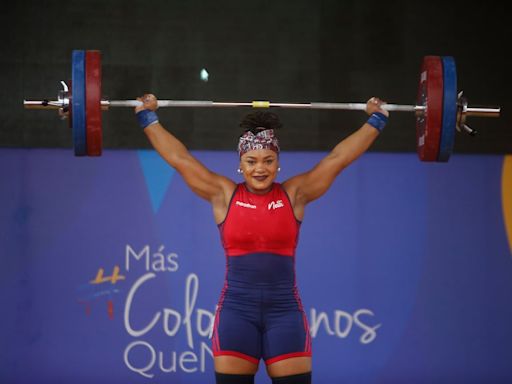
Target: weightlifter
{"points": [[260, 315]]}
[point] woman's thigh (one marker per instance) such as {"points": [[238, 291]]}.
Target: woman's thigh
{"points": [[234, 365], [291, 366]]}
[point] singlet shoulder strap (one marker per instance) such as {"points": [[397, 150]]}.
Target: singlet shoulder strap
{"points": [[237, 188]]}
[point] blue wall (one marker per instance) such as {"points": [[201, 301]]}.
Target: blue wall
{"points": [[111, 269]]}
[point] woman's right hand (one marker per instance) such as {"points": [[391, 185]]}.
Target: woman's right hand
{"points": [[149, 101]]}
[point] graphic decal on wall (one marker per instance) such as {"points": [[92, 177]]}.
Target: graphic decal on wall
{"points": [[158, 175], [101, 289], [506, 196]]}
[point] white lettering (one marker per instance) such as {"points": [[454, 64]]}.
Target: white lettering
{"points": [[207, 331], [129, 251], [186, 361], [245, 205], [184, 358], [275, 204], [338, 316], [191, 290], [204, 349], [158, 262], [141, 371], [370, 333], [172, 367], [316, 321], [172, 319], [167, 313], [172, 259], [322, 318], [128, 306]]}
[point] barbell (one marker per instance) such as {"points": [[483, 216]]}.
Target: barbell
{"points": [[440, 109]]}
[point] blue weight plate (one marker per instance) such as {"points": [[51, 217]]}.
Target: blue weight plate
{"points": [[78, 102], [449, 109]]}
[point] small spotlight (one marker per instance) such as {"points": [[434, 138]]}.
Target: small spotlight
{"points": [[204, 75]]}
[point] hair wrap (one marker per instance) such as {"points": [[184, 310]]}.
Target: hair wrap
{"points": [[263, 139]]}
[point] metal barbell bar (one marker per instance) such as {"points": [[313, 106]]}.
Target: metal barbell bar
{"points": [[107, 104]]}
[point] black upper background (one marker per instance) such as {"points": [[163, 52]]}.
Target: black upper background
{"points": [[283, 51]]}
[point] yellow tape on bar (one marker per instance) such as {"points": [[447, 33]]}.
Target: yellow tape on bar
{"points": [[261, 104]]}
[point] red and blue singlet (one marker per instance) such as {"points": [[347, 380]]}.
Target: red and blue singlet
{"points": [[260, 314]]}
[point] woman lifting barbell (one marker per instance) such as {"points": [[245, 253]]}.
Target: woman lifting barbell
{"points": [[259, 314]]}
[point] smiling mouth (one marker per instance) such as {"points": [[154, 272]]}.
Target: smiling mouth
{"points": [[260, 178]]}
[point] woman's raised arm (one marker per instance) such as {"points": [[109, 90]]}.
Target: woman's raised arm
{"points": [[209, 185], [310, 185]]}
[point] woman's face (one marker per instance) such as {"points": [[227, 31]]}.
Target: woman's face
{"points": [[259, 168]]}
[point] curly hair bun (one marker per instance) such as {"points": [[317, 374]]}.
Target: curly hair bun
{"points": [[260, 121]]}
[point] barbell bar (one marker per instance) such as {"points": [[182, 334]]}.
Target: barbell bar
{"points": [[440, 110], [106, 104]]}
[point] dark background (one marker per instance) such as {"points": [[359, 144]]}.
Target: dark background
{"points": [[283, 51]]}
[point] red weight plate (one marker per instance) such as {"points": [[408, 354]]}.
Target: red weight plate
{"points": [[93, 102], [430, 95]]}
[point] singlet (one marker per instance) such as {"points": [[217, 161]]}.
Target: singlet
{"points": [[260, 314], [260, 223]]}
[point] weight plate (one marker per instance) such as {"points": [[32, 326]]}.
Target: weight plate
{"points": [[449, 109], [93, 102], [430, 96], [78, 91]]}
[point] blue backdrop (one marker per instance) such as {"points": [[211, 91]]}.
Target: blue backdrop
{"points": [[111, 269]]}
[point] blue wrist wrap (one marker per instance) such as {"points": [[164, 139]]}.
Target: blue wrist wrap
{"points": [[378, 120], [146, 117]]}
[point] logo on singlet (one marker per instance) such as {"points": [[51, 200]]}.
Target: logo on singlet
{"points": [[245, 205], [275, 204]]}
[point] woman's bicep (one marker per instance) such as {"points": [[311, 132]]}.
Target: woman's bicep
{"points": [[202, 181], [311, 185]]}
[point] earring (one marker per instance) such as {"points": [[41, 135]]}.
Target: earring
{"points": [[239, 170], [279, 169]]}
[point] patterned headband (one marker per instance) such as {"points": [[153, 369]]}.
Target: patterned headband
{"points": [[264, 139]]}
